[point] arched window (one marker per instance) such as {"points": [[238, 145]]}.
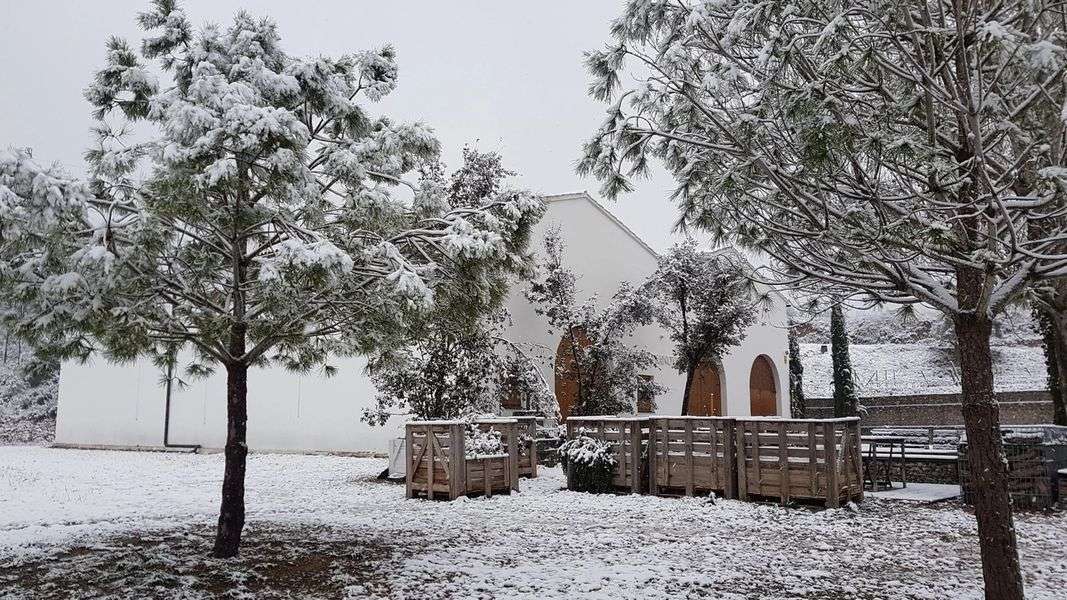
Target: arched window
{"points": [[763, 393], [567, 372], [705, 394]]}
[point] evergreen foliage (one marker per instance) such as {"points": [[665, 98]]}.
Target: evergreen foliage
{"points": [[797, 405], [845, 401], [461, 362], [589, 463], [263, 218]]}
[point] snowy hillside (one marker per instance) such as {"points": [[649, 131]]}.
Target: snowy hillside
{"points": [[895, 369], [27, 404], [892, 355], [925, 327]]}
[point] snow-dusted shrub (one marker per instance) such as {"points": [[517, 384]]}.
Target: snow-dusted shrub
{"points": [[480, 442], [590, 461]]}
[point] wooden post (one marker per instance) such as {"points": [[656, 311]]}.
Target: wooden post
{"points": [[409, 455], [653, 449], [531, 430], [570, 464], [513, 454], [458, 439], [813, 461], [688, 457], [430, 435], [857, 450], [783, 463], [457, 462], [635, 456], [742, 472], [729, 462], [756, 466], [833, 485]]}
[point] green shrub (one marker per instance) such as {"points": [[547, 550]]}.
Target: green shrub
{"points": [[590, 463]]}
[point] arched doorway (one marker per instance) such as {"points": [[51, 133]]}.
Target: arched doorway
{"points": [[705, 395], [567, 372], [763, 393]]}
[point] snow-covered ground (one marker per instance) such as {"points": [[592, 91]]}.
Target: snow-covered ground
{"points": [[901, 369], [118, 524]]}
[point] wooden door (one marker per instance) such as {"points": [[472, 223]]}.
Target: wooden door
{"points": [[567, 371], [763, 395], [705, 395]]}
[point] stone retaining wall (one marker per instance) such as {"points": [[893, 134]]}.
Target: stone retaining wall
{"points": [[1016, 408]]}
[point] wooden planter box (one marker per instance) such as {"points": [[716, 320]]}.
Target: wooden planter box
{"points": [[1035, 454], [692, 455], [809, 459], [437, 465], [628, 436]]}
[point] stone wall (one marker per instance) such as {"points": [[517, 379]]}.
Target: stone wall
{"points": [[1016, 408], [920, 471]]}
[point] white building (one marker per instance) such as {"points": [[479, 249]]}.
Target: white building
{"points": [[104, 404]]}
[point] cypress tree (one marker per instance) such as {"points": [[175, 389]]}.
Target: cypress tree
{"points": [[1053, 346], [844, 388], [796, 377]]}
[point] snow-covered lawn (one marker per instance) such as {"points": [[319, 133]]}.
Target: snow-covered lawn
{"points": [[124, 524]]}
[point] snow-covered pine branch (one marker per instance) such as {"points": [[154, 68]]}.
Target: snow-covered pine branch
{"points": [[908, 152]]}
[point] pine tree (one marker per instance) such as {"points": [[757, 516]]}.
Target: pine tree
{"points": [[845, 402], [266, 220], [797, 404], [792, 128]]}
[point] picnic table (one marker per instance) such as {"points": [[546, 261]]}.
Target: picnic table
{"points": [[881, 450]]}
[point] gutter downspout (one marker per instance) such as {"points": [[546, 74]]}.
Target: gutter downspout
{"points": [[166, 414]]}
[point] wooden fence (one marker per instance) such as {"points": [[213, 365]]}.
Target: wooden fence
{"points": [[692, 455], [627, 436], [810, 459], [783, 459], [438, 467]]}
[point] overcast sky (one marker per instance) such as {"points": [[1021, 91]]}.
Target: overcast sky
{"points": [[505, 76]]}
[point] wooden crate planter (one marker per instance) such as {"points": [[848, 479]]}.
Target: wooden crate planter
{"points": [[1034, 453], [805, 459], [691, 455], [628, 436], [437, 465]]}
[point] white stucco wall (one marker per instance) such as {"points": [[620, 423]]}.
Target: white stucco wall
{"points": [[101, 403], [604, 254]]}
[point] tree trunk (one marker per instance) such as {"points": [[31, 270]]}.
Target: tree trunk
{"points": [[985, 457], [232, 512], [690, 373]]}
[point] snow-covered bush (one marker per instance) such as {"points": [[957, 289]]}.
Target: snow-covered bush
{"points": [[478, 442], [590, 461]]}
